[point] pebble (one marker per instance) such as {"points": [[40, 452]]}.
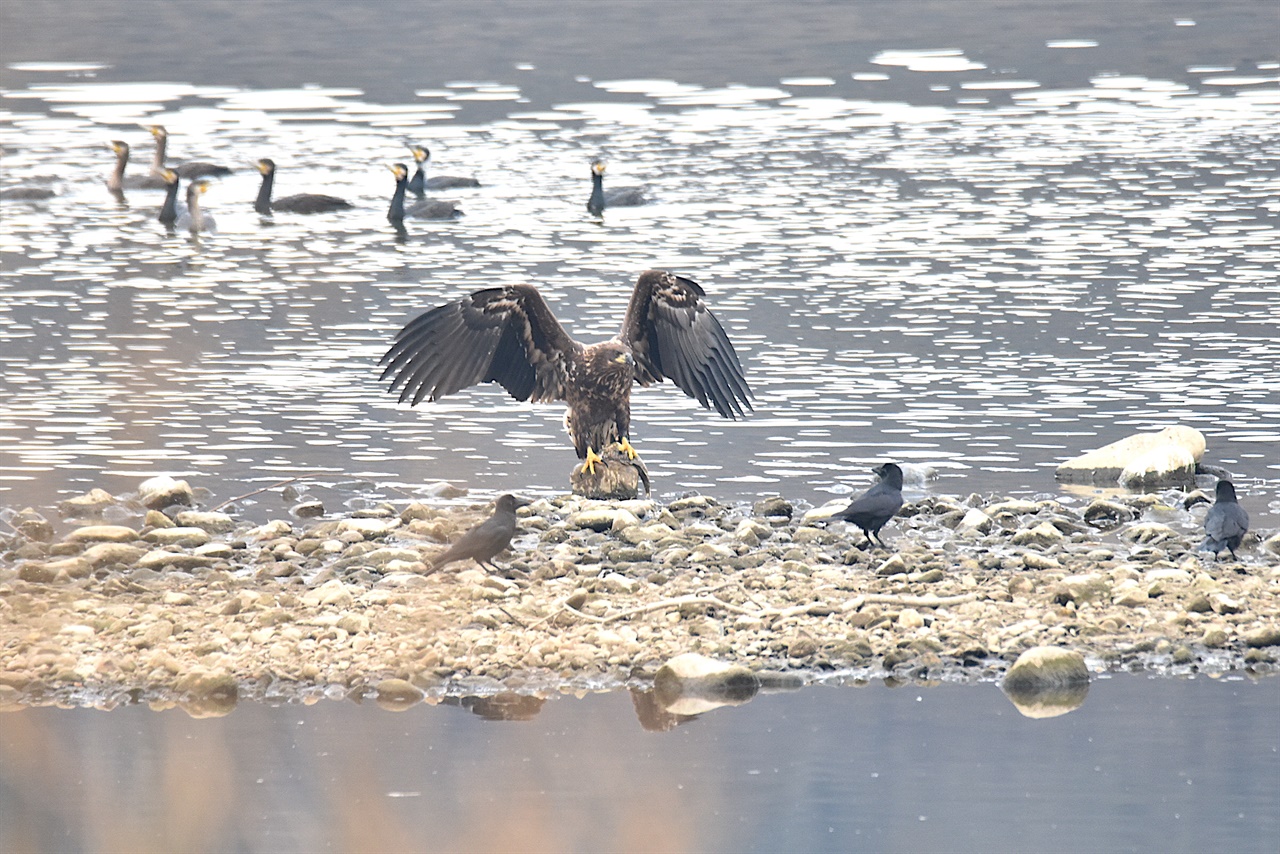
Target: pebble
{"points": [[349, 599]]}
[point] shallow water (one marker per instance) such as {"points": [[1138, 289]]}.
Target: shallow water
{"points": [[1143, 765], [922, 254]]}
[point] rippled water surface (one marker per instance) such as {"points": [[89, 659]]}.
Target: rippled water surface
{"points": [[988, 283], [1143, 765]]}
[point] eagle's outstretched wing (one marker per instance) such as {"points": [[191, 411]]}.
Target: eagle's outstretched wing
{"points": [[673, 334], [504, 335]]}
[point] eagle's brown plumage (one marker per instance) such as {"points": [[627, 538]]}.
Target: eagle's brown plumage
{"points": [[509, 336]]}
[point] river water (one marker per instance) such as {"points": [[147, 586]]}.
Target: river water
{"points": [[981, 237], [1143, 765], [982, 254]]}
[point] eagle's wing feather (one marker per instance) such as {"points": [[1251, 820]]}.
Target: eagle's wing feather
{"points": [[673, 334], [503, 335]]}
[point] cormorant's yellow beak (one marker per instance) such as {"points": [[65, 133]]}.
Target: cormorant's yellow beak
{"points": [[398, 170], [157, 131], [262, 166]]}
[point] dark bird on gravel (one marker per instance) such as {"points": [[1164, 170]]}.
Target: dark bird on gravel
{"points": [[619, 197], [509, 336], [486, 540], [875, 507], [1226, 522]]}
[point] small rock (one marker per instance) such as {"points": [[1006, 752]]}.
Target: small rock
{"points": [[160, 558], [894, 565], [269, 531], [974, 521], [1215, 637], [103, 534], [1044, 534], [331, 593], [1101, 510], [1263, 636], [910, 618], [112, 554], [214, 523], [1134, 597], [162, 491], [1224, 604], [208, 694], [1032, 560], [595, 518], [156, 519], [185, 537], [87, 506], [773, 506], [1082, 588], [1014, 506], [368, 528], [308, 509], [1148, 532], [396, 695], [1047, 681], [638, 534], [691, 683]]}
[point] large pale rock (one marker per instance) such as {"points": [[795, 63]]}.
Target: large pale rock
{"points": [[1142, 461], [163, 491], [691, 683], [1047, 681]]}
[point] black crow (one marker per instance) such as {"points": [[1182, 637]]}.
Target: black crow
{"points": [[1226, 522], [873, 508], [486, 540]]}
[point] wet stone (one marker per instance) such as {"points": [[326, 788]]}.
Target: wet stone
{"points": [[185, 537], [214, 523], [163, 491], [87, 506], [103, 534]]}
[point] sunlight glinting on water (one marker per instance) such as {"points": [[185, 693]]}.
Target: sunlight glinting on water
{"points": [[901, 281]]}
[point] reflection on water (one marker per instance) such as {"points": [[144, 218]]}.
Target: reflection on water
{"points": [[1166, 764], [986, 289]]}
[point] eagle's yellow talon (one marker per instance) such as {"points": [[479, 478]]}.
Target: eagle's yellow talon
{"points": [[592, 458], [627, 448]]}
